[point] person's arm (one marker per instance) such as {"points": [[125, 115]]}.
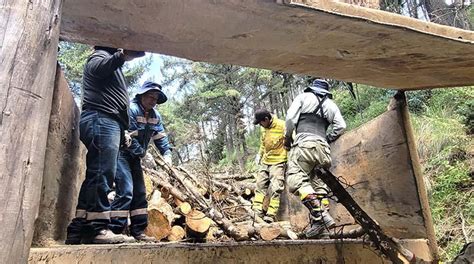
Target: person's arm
{"points": [[335, 118], [102, 64]]}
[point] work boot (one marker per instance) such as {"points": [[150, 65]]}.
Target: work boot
{"points": [[144, 238], [320, 227], [105, 236]]}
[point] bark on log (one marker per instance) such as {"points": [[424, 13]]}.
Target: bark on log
{"points": [[386, 244], [269, 232], [197, 226], [177, 233], [29, 39], [160, 217], [354, 233], [160, 181]]}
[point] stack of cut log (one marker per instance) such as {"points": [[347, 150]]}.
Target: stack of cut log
{"points": [[199, 207]]}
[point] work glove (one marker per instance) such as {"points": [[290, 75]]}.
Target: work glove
{"points": [[128, 139], [257, 159], [168, 159], [288, 142], [128, 55]]}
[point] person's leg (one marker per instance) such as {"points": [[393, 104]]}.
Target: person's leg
{"points": [[138, 207], [101, 135], [322, 220], [75, 230], [302, 161], [262, 183], [277, 184], [123, 195]]}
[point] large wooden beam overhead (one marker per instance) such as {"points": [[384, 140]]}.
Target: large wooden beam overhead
{"points": [[319, 38]]}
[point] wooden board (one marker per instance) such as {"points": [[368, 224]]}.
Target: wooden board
{"points": [[375, 159], [29, 32], [314, 37]]}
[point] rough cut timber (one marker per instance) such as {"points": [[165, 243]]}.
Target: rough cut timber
{"points": [[29, 32], [319, 38]]}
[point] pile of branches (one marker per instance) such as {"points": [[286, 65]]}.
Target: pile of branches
{"points": [[183, 206]]}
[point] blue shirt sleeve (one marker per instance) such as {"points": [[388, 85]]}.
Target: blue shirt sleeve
{"points": [[135, 148]]}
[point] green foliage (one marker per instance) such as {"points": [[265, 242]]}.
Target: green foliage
{"points": [[72, 57], [445, 150], [370, 102]]}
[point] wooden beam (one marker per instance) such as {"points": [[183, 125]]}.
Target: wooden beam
{"points": [[313, 37], [29, 34]]}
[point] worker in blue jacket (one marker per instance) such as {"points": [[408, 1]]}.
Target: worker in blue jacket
{"points": [[145, 125]]}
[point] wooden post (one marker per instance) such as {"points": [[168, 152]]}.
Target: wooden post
{"points": [[29, 34]]}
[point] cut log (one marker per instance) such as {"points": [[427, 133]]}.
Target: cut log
{"points": [[183, 208], [160, 217], [197, 226], [270, 232], [177, 233], [267, 231]]}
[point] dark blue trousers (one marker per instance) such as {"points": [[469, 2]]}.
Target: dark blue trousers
{"points": [[101, 134], [130, 196]]}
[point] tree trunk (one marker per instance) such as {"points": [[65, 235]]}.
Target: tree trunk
{"points": [[30, 31], [454, 15]]}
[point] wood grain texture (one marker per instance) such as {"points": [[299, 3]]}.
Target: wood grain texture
{"points": [[313, 37], [29, 37]]}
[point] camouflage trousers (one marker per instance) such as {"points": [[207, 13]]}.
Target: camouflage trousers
{"points": [[302, 160]]}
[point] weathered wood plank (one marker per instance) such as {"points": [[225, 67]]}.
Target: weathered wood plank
{"points": [[29, 37], [313, 37]]}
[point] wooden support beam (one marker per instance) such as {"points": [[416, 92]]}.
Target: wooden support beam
{"points": [[29, 34]]}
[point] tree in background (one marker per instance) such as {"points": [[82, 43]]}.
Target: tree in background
{"points": [[456, 13]]}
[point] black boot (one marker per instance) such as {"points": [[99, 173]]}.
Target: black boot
{"points": [[321, 220]]}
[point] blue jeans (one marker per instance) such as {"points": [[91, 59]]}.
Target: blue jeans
{"points": [[130, 196], [101, 134]]}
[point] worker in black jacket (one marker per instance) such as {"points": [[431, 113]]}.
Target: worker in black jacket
{"points": [[104, 119]]}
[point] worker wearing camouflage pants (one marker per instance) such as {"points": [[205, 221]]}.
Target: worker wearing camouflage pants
{"points": [[310, 115], [272, 159]]}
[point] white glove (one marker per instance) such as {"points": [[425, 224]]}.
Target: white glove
{"points": [[257, 159], [128, 139], [168, 159]]}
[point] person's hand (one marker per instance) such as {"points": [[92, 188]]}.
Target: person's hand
{"points": [[168, 159], [128, 55], [257, 159], [128, 139]]}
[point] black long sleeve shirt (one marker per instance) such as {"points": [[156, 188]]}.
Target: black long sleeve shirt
{"points": [[104, 86]]}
